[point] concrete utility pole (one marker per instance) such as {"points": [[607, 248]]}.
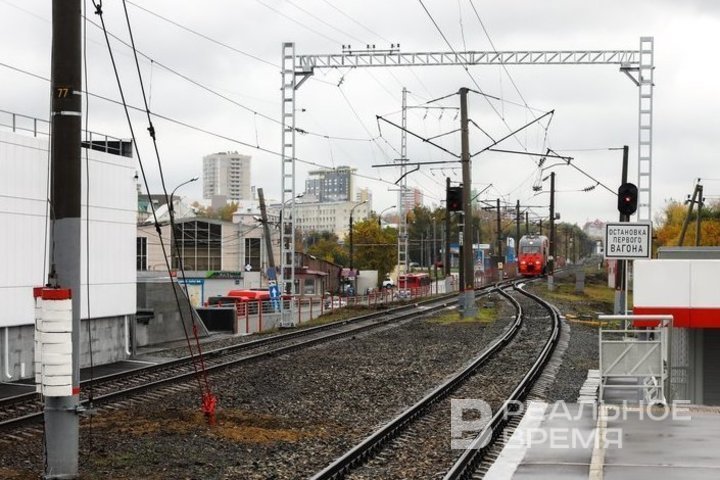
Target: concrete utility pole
{"points": [[499, 230], [517, 225], [527, 223], [446, 261], [266, 234], [61, 413], [551, 263], [468, 288], [696, 198], [697, 222]]}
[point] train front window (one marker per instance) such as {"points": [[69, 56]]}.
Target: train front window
{"points": [[531, 249]]}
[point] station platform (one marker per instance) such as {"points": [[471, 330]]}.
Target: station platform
{"points": [[564, 441]]}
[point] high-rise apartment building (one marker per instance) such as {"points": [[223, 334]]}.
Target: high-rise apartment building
{"points": [[331, 185], [227, 174], [364, 195], [411, 198]]}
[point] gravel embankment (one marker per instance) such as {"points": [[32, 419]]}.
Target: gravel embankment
{"points": [[283, 418], [287, 417], [582, 351], [424, 450]]}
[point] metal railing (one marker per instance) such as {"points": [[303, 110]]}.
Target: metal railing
{"points": [[37, 127], [634, 361], [258, 315]]}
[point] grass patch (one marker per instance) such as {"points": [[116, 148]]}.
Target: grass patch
{"points": [[486, 314], [596, 297], [232, 424]]}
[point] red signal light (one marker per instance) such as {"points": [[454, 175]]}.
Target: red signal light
{"points": [[627, 198]]}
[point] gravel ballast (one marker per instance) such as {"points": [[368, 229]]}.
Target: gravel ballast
{"points": [[289, 416], [282, 418]]}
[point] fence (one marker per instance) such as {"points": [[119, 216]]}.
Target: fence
{"points": [[253, 316], [633, 361]]}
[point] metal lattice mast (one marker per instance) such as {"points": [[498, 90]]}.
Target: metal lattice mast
{"points": [[303, 66], [645, 123], [287, 229], [402, 221]]}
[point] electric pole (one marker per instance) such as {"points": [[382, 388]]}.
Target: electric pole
{"points": [[697, 222], [446, 261], [468, 288], [527, 223], [61, 412], [696, 199], [551, 263], [517, 225], [499, 231], [621, 264]]}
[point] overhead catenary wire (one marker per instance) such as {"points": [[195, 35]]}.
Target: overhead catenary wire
{"points": [[208, 399], [208, 132], [297, 22], [467, 70], [492, 44], [204, 87], [99, 12], [202, 35]]}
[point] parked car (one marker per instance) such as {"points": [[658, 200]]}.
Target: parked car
{"points": [[388, 283]]}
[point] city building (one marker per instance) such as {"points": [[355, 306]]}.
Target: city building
{"points": [[331, 185], [227, 174], [326, 216], [594, 229], [411, 198], [364, 195]]}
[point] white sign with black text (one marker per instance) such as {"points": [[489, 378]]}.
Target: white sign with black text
{"points": [[627, 240]]}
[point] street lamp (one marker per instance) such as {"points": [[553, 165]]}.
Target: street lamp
{"points": [[381, 214], [351, 237], [171, 208], [171, 213]]}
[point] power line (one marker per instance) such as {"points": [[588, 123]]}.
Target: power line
{"points": [[202, 35], [297, 22], [224, 97], [356, 22], [467, 70], [492, 44], [322, 21], [357, 116]]}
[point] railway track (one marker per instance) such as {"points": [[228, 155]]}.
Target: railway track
{"points": [[415, 444], [179, 374]]}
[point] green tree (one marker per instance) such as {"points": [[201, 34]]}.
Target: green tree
{"points": [[325, 245], [667, 232], [224, 213], [373, 248]]}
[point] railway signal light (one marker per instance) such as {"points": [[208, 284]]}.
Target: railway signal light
{"points": [[454, 199], [627, 198]]}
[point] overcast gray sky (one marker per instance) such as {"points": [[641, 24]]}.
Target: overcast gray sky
{"points": [[595, 106]]}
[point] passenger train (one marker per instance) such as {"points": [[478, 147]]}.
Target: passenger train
{"points": [[532, 255]]}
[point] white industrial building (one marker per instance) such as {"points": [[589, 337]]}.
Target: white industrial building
{"points": [[227, 174], [110, 299], [326, 216]]}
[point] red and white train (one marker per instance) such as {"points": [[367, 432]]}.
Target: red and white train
{"points": [[532, 255]]}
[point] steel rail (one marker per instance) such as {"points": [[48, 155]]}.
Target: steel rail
{"points": [[468, 462], [371, 444], [301, 332], [388, 316]]}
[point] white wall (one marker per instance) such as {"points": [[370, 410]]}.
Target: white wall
{"points": [[113, 205]]}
